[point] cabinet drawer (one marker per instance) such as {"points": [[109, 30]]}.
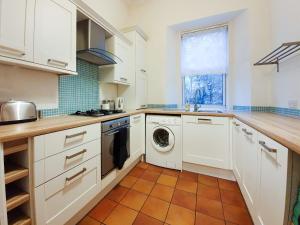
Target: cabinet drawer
{"points": [[66, 139], [70, 158], [64, 195], [205, 120]]}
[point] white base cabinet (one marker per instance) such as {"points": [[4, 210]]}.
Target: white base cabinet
{"points": [[206, 141], [261, 168], [137, 136]]}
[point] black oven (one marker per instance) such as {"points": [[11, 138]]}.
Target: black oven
{"points": [[114, 144]]}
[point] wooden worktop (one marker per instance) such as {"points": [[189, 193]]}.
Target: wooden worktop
{"points": [[285, 130]]}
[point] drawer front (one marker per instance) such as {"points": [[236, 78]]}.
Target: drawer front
{"points": [[63, 196], [68, 159], [66, 139]]}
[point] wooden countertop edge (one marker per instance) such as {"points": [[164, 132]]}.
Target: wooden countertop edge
{"points": [[63, 125]]}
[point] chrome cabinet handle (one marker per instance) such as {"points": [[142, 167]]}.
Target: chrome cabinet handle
{"points": [[58, 63], [76, 175], [144, 71], [13, 50], [137, 117], [76, 154], [236, 124], [271, 150], [246, 132], [75, 135]]}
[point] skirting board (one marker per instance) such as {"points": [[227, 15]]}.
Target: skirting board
{"points": [[85, 210], [210, 171]]}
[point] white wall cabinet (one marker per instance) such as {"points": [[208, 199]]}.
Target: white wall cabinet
{"points": [[136, 94], [118, 73], [55, 34], [137, 136], [16, 29], [206, 141], [261, 167]]}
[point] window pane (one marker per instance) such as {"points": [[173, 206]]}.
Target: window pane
{"points": [[204, 89]]}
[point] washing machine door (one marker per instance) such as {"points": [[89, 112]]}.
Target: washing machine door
{"points": [[163, 139]]}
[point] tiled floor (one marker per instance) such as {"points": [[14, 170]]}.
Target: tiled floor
{"points": [[151, 195]]}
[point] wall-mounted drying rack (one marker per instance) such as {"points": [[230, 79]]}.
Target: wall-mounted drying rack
{"points": [[276, 56]]}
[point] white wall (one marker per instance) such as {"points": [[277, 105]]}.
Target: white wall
{"points": [[252, 38], [285, 28]]}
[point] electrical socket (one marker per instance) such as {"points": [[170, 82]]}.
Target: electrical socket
{"points": [[293, 104]]}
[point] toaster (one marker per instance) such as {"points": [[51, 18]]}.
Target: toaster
{"points": [[17, 112]]}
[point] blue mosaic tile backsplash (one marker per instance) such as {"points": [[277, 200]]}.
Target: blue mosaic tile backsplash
{"points": [[79, 92]]}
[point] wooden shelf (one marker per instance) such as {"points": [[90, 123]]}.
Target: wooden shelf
{"points": [[15, 149], [14, 172], [15, 198], [280, 53], [18, 218]]}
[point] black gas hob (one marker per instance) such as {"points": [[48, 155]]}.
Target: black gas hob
{"points": [[97, 112]]}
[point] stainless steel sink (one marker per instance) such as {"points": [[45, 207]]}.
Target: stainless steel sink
{"points": [[210, 110]]}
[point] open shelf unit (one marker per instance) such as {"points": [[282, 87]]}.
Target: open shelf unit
{"points": [[17, 181], [280, 53]]}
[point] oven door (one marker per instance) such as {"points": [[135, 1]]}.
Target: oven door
{"points": [[107, 149]]}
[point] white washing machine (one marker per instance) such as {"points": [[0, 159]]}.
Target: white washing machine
{"points": [[163, 141]]}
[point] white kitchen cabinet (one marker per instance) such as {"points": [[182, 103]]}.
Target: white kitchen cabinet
{"points": [[137, 136], [136, 94], [248, 149], [118, 73], [272, 186], [55, 34], [206, 141], [16, 29], [237, 154]]}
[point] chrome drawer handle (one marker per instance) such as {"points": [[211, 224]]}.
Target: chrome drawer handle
{"points": [[75, 135], [76, 154], [123, 78], [144, 71], [246, 132], [76, 175], [207, 120], [13, 50], [263, 144], [57, 62], [137, 117], [236, 124]]}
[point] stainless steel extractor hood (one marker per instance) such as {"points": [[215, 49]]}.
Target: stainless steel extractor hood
{"points": [[91, 44]]}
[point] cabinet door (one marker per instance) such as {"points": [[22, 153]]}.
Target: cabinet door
{"points": [[16, 29], [55, 34], [273, 170], [250, 164], [206, 141], [237, 153], [141, 89], [140, 51], [137, 136], [123, 68]]}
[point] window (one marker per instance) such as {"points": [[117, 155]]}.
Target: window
{"points": [[204, 61]]}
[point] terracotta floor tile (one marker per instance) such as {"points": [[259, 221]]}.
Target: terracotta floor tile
{"points": [[128, 181], [136, 172], [156, 208], [171, 172], [209, 207], [228, 185], [134, 200], [167, 180], [184, 199], [150, 176], [188, 175], [208, 180], [117, 193], [142, 165], [180, 216], [187, 185], [232, 198], [143, 219], [155, 168], [237, 215], [88, 221], [202, 219], [143, 186], [121, 214], [208, 192], [228, 223], [101, 211], [162, 192]]}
